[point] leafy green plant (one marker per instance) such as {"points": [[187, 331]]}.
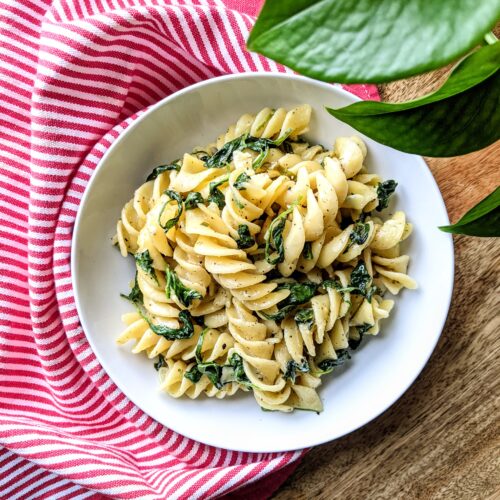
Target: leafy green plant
{"points": [[356, 41]]}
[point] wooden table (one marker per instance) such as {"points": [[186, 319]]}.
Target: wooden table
{"points": [[441, 440]]}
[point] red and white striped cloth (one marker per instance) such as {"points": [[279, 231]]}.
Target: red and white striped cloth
{"points": [[73, 76]]}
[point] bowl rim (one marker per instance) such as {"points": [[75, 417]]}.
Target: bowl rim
{"points": [[94, 178]]}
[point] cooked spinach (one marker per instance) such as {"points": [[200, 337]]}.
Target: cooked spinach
{"points": [[359, 234], [161, 363], [360, 279], [184, 332], [292, 368], [212, 370], [145, 262], [362, 329], [193, 200], [240, 181], [360, 283], [384, 191], [215, 195], [337, 285], [307, 252], [245, 239], [219, 375], [174, 285], [300, 293], [162, 168], [258, 144], [225, 154], [135, 296], [305, 317], [174, 196], [327, 365], [274, 237]]}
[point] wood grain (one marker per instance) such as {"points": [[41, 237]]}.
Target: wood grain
{"points": [[441, 440]]}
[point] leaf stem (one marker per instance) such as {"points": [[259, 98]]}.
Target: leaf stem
{"points": [[490, 38]]}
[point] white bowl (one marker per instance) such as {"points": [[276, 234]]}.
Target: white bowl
{"points": [[378, 373]]}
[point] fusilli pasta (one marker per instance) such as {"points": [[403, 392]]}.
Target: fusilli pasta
{"points": [[262, 261]]}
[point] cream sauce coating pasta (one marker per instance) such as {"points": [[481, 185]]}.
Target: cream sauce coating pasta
{"points": [[262, 262]]}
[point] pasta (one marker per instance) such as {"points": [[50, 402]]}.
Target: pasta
{"points": [[262, 261]]}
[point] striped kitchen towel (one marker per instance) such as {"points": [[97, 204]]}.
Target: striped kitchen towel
{"points": [[74, 73]]}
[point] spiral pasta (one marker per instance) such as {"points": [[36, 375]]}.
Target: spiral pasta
{"points": [[262, 262]]}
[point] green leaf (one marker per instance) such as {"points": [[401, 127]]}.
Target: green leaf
{"points": [[162, 168], [174, 196], [384, 192], [245, 239], [481, 220], [362, 41], [292, 368], [161, 363], [360, 278], [240, 181], [362, 329], [174, 285], [193, 200], [307, 252], [462, 116], [145, 262], [359, 235], [184, 332], [215, 195], [327, 365], [305, 317], [274, 237], [135, 296], [300, 293]]}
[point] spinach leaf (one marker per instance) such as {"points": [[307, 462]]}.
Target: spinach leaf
{"points": [[135, 296], [220, 375], [362, 329], [145, 262], [292, 368], [240, 181], [225, 154], [216, 195], [174, 285], [174, 196], [238, 371], [359, 235], [212, 370], [327, 365], [360, 283], [274, 237], [184, 332], [305, 317], [258, 144], [162, 168], [245, 239], [192, 200], [436, 125], [307, 252], [337, 285], [481, 220], [161, 363], [300, 293], [360, 279], [351, 41], [384, 191]]}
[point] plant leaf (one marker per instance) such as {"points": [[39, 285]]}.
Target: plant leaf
{"points": [[481, 220], [462, 116], [362, 41]]}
